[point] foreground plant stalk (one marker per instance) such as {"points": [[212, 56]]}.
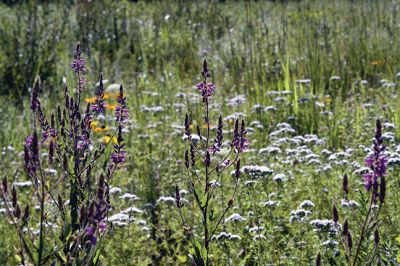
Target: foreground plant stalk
{"points": [[202, 188]]}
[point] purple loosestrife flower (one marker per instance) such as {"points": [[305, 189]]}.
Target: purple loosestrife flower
{"points": [[43, 123], [187, 127], [52, 129], [100, 105], [121, 116], [218, 139], [378, 163], [206, 88], [35, 95], [98, 210], [31, 154], [78, 64], [121, 111], [84, 139], [118, 157], [239, 141]]}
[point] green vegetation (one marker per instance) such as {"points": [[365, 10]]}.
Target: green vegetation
{"points": [[326, 68]]}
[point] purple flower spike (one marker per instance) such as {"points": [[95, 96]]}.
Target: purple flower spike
{"points": [[239, 141], [121, 111], [78, 64], [206, 88], [119, 154], [100, 105], [377, 162]]}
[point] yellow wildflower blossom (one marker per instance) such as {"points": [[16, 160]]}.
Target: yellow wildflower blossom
{"points": [[90, 100], [93, 124], [111, 106], [378, 62], [327, 99], [106, 139], [100, 129]]}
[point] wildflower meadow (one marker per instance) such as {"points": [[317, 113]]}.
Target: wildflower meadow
{"points": [[200, 132]]}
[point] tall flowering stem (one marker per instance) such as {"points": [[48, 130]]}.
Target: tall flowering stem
{"points": [[201, 186], [78, 66], [375, 180], [72, 157], [121, 117]]}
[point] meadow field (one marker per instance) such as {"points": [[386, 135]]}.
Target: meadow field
{"points": [[200, 132]]}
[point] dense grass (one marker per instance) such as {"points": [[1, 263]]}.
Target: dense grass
{"points": [[263, 51]]}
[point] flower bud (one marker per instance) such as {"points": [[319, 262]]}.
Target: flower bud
{"points": [[335, 214], [14, 197], [318, 260]]}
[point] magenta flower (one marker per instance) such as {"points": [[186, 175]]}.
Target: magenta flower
{"points": [[89, 230], [368, 180], [206, 88]]}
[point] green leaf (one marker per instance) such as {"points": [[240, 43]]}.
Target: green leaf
{"points": [[96, 257], [181, 259], [67, 226], [199, 254], [204, 200], [17, 257]]}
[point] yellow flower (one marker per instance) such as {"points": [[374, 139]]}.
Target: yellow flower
{"points": [[100, 129], [231, 121], [106, 96], [111, 106], [106, 139], [327, 99], [378, 62], [90, 100], [115, 95], [93, 124]]}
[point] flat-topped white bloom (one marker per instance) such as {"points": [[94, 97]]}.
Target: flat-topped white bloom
{"points": [[129, 196], [115, 190], [23, 184], [271, 203], [235, 218], [307, 204], [256, 171], [279, 178], [329, 243], [132, 210]]}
